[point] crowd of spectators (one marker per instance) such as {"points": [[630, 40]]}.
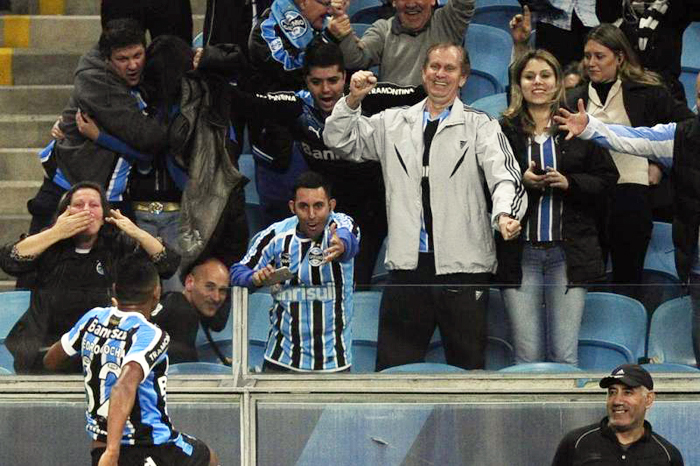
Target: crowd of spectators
{"points": [[144, 160]]}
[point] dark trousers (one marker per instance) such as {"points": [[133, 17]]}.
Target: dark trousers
{"points": [[159, 17], [629, 232], [363, 200], [566, 46], [456, 303]]}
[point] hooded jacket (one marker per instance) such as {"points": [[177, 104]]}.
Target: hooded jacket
{"points": [[105, 97]]}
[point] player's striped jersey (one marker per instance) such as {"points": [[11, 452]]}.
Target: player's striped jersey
{"points": [[312, 313], [106, 339]]}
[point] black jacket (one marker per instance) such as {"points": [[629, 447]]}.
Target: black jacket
{"points": [[181, 321], [645, 105], [597, 444], [663, 51], [686, 176], [591, 172]]}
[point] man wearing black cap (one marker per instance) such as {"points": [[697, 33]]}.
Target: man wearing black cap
{"points": [[623, 436]]}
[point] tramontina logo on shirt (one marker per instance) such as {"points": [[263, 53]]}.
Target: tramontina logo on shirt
{"points": [[293, 24], [315, 256]]}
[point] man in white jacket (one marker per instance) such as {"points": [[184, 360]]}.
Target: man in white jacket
{"points": [[451, 178]]}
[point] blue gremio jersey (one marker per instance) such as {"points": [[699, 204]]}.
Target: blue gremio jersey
{"points": [[312, 313], [106, 339]]}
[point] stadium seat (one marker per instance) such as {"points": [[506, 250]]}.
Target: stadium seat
{"points": [[659, 255], [246, 165], [499, 354], [206, 353], [659, 287], [4, 371], [199, 368], [688, 79], [542, 368], [497, 16], [691, 51], [670, 367], [225, 334], [494, 104], [479, 85], [365, 329], [360, 28], [379, 274], [613, 331], [489, 52], [424, 368], [670, 337], [12, 305], [259, 305], [358, 5], [489, 3]]}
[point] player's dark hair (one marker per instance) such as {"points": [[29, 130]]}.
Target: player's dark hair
{"points": [[168, 58], [312, 180], [135, 279], [322, 54], [120, 33]]}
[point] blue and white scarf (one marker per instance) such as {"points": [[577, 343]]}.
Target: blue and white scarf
{"points": [[295, 28]]}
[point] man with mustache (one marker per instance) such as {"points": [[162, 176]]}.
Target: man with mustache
{"points": [[623, 436]]}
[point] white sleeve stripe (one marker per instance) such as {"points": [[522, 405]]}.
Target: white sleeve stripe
{"points": [[140, 359], [67, 344]]}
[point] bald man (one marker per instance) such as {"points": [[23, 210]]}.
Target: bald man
{"points": [[200, 303]]}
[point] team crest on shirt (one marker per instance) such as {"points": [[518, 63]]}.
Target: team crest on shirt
{"points": [[315, 256], [293, 24], [99, 269], [285, 259], [276, 45]]}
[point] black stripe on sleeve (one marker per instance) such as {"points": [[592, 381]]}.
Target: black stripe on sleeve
{"points": [[317, 335], [403, 165], [339, 314]]}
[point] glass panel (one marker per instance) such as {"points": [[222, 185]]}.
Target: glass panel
{"points": [[435, 328]]}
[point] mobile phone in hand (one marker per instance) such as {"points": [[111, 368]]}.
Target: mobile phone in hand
{"points": [[278, 276]]}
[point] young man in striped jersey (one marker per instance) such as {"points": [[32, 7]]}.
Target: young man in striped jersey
{"points": [[125, 365], [312, 311]]}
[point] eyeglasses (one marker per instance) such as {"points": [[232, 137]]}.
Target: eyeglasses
{"points": [[326, 3]]}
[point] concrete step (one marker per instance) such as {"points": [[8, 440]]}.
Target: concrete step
{"points": [[15, 194], [33, 67], [92, 7], [77, 33], [12, 227], [25, 130], [7, 285], [44, 99], [75, 7], [20, 165]]}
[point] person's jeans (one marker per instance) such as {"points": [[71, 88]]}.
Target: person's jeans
{"points": [[544, 312], [694, 290], [165, 225]]}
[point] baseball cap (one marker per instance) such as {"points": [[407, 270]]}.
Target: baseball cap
{"points": [[632, 375]]}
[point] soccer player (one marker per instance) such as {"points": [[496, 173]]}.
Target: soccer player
{"points": [[125, 365]]}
